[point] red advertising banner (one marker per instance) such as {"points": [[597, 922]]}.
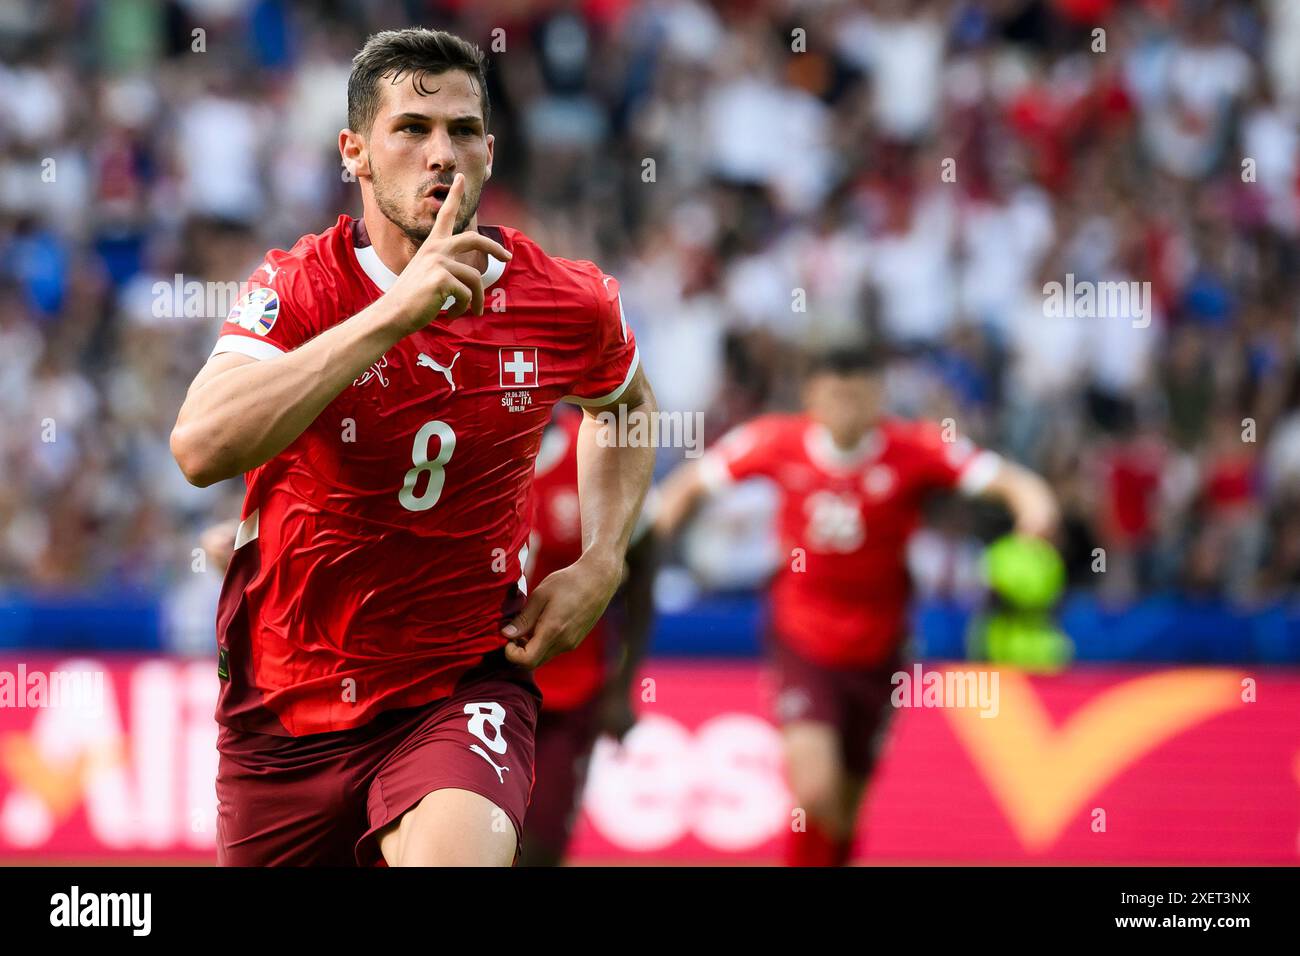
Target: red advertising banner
{"points": [[1110, 765], [118, 761], [113, 760]]}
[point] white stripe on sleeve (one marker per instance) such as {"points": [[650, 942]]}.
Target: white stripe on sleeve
{"points": [[253, 348]]}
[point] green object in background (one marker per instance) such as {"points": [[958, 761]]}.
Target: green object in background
{"points": [[1027, 578], [1029, 640], [1026, 573]]}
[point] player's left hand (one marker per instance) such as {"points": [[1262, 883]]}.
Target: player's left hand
{"points": [[616, 714], [1041, 521], [560, 612], [218, 543]]}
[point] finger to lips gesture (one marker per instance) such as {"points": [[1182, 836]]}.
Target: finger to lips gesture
{"points": [[439, 280]]}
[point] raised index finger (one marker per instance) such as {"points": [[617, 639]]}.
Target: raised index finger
{"points": [[445, 221]]}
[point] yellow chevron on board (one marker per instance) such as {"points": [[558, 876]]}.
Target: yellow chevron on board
{"points": [[1042, 775]]}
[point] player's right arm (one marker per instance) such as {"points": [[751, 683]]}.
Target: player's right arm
{"points": [[679, 495], [240, 412], [742, 453]]}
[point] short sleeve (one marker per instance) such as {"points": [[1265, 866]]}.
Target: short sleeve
{"points": [[957, 464], [271, 316], [614, 358], [747, 451]]}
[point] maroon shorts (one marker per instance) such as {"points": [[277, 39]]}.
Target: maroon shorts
{"points": [[853, 701], [321, 799], [564, 742]]}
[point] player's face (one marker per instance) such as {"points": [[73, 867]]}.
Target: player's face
{"points": [[847, 405], [420, 141]]}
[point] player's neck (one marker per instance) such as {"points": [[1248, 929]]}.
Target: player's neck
{"points": [[844, 450], [849, 444], [395, 248]]}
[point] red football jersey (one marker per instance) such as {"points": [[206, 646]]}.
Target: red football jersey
{"points": [[840, 596], [381, 552], [566, 680]]}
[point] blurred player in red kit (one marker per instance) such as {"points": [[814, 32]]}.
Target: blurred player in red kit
{"points": [[852, 483], [376, 630], [583, 693]]}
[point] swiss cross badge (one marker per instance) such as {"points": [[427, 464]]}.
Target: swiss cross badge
{"points": [[518, 367]]}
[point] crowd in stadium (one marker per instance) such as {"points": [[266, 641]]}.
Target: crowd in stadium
{"points": [[767, 179]]}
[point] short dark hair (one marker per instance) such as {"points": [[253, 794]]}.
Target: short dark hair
{"points": [[414, 51], [846, 361]]}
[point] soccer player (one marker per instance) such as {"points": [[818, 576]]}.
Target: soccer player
{"points": [[852, 483], [383, 387], [582, 696]]}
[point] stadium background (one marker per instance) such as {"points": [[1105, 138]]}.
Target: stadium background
{"points": [[918, 171]]}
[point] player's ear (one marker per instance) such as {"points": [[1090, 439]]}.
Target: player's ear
{"points": [[491, 141], [356, 158]]}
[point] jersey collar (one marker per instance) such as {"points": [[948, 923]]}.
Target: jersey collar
{"points": [[828, 456], [384, 277]]}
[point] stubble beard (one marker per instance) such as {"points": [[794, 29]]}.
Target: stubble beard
{"points": [[416, 231]]}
